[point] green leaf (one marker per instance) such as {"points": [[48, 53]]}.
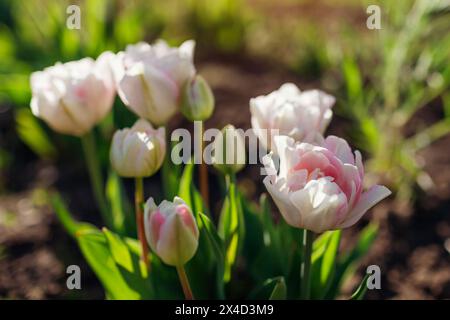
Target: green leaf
{"points": [[272, 288], [184, 190], [204, 263], [189, 193], [122, 220], [171, 177], [119, 250], [254, 235], [129, 264], [33, 135], [96, 250], [207, 228], [279, 291], [231, 227], [361, 290], [213, 236], [323, 263], [71, 225], [347, 263]]}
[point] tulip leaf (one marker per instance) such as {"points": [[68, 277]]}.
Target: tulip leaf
{"points": [[33, 135], [265, 238], [188, 192], [231, 226], [279, 291], [171, 177], [254, 239], [213, 236], [361, 290], [71, 225], [184, 190], [272, 288], [95, 249], [129, 264], [207, 228], [323, 263], [121, 208], [119, 250], [111, 257], [347, 263]]}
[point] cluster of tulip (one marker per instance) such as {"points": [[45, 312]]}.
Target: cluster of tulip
{"points": [[317, 186]]}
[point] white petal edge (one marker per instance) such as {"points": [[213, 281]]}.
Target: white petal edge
{"points": [[368, 199]]}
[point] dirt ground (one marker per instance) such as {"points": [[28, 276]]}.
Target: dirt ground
{"points": [[412, 248]]}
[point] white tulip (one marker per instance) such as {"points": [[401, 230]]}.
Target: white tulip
{"points": [[138, 151], [73, 97], [150, 78], [303, 116]]}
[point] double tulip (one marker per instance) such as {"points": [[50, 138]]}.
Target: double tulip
{"points": [[319, 187], [73, 97], [301, 115], [150, 78]]}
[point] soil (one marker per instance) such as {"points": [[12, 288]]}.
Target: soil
{"points": [[412, 248]]}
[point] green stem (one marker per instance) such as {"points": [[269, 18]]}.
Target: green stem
{"points": [[203, 171], [305, 267], [139, 204], [95, 174], [185, 283]]}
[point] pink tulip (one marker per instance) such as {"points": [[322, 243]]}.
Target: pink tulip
{"points": [[171, 231], [320, 188]]}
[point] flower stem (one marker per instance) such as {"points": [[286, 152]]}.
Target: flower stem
{"points": [[139, 203], [305, 267], [203, 172], [95, 174], [185, 283]]}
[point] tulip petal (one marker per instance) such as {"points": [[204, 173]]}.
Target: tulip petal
{"points": [[368, 199], [281, 199], [177, 243], [340, 148]]}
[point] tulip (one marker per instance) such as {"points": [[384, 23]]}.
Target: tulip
{"points": [[172, 233], [197, 104], [320, 188], [303, 116], [150, 78], [73, 97], [229, 151], [197, 100], [138, 151]]}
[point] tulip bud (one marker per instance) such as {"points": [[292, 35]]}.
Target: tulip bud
{"points": [[197, 100], [171, 231], [229, 151], [138, 151]]}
